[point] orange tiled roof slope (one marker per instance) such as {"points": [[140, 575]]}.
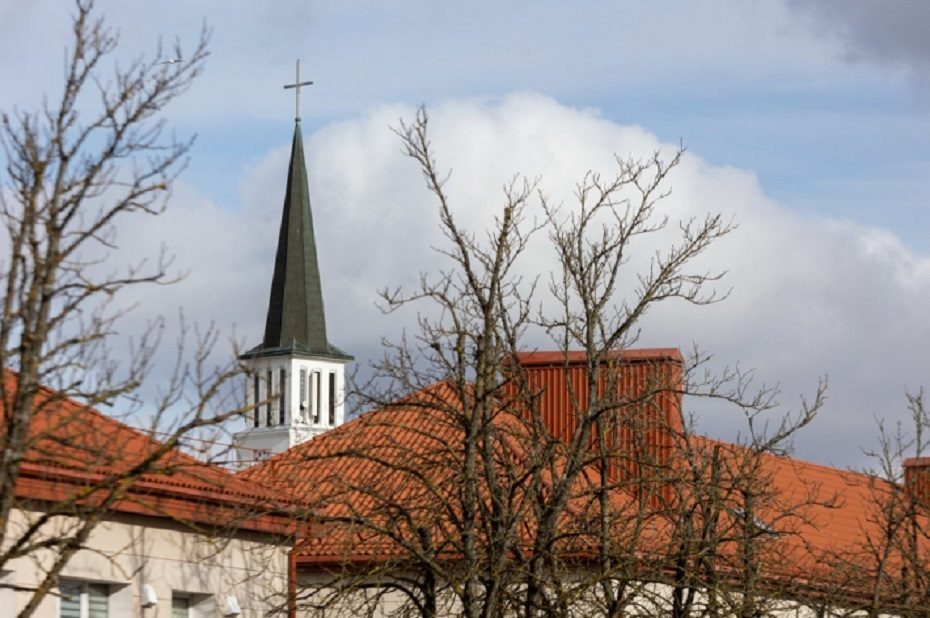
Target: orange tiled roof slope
{"points": [[819, 521], [389, 468], [73, 448], [371, 483], [828, 520]]}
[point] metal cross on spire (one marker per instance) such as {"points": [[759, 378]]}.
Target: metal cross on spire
{"points": [[296, 86]]}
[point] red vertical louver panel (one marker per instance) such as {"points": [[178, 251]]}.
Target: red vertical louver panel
{"points": [[643, 402]]}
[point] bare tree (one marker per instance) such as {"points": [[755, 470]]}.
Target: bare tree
{"points": [[616, 506], [483, 312], [92, 158], [516, 484], [597, 317], [440, 470], [887, 572]]}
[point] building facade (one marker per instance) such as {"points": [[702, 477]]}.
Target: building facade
{"points": [[108, 522], [152, 567]]}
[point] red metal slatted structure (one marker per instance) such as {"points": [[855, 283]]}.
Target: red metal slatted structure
{"points": [[637, 394]]}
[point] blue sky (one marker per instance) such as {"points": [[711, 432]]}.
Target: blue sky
{"points": [[809, 118]]}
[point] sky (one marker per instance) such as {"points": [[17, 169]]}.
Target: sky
{"points": [[807, 122]]}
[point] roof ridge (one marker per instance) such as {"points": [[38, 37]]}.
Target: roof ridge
{"points": [[793, 460]]}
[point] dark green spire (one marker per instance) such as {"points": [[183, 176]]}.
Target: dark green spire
{"points": [[296, 322]]}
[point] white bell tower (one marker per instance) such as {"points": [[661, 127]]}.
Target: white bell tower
{"points": [[295, 398]]}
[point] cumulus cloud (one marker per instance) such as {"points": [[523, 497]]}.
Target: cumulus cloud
{"points": [[810, 295]]}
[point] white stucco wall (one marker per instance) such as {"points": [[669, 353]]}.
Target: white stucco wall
{"points": [[128, 552]]}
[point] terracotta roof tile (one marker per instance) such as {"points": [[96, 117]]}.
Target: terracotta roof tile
{"points": [[72, 445], [393, 465]]}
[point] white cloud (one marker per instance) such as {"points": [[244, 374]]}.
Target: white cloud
{"points": [[811, 295]]}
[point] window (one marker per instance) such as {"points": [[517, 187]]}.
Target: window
{"points": [[759, 525], [332, 398], [256, 397], [282, 384], [269, 418], [83, 600], [315, 393], [303, 394], [180, 606]]}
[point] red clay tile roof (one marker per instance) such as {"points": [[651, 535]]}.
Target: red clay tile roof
{"points": [[385, 462], [72, 447], [391, 468], [815, 511], [397, 470]]}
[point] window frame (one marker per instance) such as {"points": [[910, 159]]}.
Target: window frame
{"points": [[269, 418], [282, 396], [304, 402], [316, 386], [181, 596], [332, 398], [84, 596], [256, 397]]}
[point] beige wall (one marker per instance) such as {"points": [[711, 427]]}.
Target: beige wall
{"points": [[323, 595], [317, 588], [128, 552]]}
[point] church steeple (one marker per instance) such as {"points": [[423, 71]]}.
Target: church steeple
{"points": [[296, 320], [296, 379]]}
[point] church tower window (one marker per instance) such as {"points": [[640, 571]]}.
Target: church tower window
{"points": [[303, 394], [315, 393], [332, 398], [255, 399], [268, 416], [282, 396]]}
